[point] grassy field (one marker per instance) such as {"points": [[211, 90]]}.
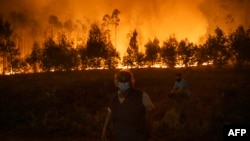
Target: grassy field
{"points": [[72, 105]]}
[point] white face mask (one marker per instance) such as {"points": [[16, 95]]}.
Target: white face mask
{"points": [[123, 86]]}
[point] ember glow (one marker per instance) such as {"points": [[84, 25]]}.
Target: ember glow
{"points": [[191, 19]]}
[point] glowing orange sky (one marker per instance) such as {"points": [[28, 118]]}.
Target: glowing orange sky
{"points": [[192, 19]]}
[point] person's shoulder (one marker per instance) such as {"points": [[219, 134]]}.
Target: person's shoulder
{"points": [[145, 95], [184, 81]]}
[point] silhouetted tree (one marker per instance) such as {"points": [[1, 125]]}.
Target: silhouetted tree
{"points": [[82, 51], [217, 48], [152, 51], [115, 21], [112, 57], [74, 61], [59, 56], [186, 52], [49, 55], [106, 21], [105, 25], [68, 57], [140, 59], [169, 51], [95, 47], [200, 55], [240, 46], [132, 51], [8, 49], [34, 59], [19, 65], [111, 20], [12, 54]]}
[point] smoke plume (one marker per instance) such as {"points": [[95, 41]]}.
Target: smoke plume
{"points": [[191, 19]]}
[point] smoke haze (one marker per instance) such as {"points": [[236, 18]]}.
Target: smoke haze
{"points": [[191, 19]]}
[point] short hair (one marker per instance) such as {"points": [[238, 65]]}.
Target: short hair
{"points": [[178, 74], [124, 76]]}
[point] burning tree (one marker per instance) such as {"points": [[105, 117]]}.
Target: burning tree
{"points": [[132, 51], [8, 48], [100, 48], [186, 52], [111, 20], [240, 46], [152, 51], [200, 55], [169, 51], [115, 21], [58, 56], [217, 48], [34, 59], [95, 46]]}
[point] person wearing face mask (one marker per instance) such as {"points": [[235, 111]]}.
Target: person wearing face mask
{"points": [[127, 110], [180, 88]]}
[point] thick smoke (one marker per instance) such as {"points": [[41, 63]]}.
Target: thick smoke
{"points": [[226, 14], [191, 19]]}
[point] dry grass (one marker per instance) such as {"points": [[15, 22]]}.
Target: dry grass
{"points": [[71, 105]]}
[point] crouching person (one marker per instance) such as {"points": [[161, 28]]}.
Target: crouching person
{"points": [[181, 95], [180, 90]]}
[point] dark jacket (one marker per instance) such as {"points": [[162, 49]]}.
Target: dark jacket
{"points": [[128, 117]]}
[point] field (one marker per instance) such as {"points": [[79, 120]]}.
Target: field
{"points": [[66, 106]]}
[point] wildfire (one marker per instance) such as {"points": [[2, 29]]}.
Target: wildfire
{"points": [[192, 19], [185, 19]]}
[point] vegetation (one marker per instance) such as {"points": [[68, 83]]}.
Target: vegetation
{"points": [[152, 51], [71, 102], [72, 105], [59, 52], [132, 57], [169, 52], [8, 50]]}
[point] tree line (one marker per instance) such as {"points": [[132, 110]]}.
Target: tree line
{"points": [[59, 53]]}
